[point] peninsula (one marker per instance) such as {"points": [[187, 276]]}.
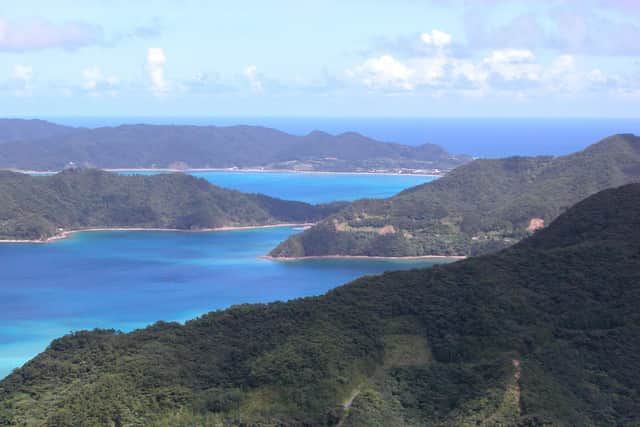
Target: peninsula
{"points": [[39, 208], [480, 207]]}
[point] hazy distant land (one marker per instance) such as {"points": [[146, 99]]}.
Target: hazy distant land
{"points": [[37, 145]]}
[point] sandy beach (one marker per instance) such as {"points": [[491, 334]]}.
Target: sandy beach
{"points": [[306, 258], [244, 170], [65, 234]]}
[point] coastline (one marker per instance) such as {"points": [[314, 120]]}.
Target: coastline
{"points": [[308, 258], [67, 233], [243, 170]]}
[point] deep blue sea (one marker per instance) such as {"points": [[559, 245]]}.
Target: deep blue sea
{"points": [[480, 137], [126, 280]]}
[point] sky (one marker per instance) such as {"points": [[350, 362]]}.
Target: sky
{"points": [[351, 58]]}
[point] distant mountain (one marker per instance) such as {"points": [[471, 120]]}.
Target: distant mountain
{"points": [[479, 207], [37, 145], [36, 207], [26, 130], [543, 333]]}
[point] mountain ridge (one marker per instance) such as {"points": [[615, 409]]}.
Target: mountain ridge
{"points": [[139, 146], [40, 207], [482, 206], [20, 129]]}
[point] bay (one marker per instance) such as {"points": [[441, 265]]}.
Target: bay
{"points": [[128, 279]]}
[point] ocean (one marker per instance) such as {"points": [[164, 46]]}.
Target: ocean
{"points": [[480, 137]]}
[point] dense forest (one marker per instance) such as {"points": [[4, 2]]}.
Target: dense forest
{"points": [[483, 206], [38, 207], [542, 333], [39, 145]]}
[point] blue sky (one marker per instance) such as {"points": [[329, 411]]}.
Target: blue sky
{"points": [[320, 58]]}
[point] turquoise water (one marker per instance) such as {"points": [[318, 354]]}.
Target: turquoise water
{"points": [[126, 280], [309, 187], [306, 187]]}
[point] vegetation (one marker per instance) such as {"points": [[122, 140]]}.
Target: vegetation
{"points": [[37, 207], [477, 208], [21, 130], [542, 333], [38, 145]]}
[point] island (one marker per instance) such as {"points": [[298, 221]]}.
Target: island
{"points": [[36, 145]]}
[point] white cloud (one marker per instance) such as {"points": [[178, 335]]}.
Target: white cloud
{"points": [[156, 60], [565, 75], [95, 82], [251, 73], [23, 75], [433, 70], [429, 71], [383, 72], [436, 38], [506, 72], [509, 56], [562, 74]]}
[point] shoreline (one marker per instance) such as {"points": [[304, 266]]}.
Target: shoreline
{"points": [[68, 233], [244, 170], [308, 258]]}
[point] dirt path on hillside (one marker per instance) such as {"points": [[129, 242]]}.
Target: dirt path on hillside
{"points": [[347, 406]]}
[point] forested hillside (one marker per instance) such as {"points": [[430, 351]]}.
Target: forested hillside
{"points": [[39, 145], [38, 207], [485, 205], [543, 333], [22, 130]]}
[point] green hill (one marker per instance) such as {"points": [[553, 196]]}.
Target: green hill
{"points": [[543, 333], [479, 207], [39, 145], [23, 130], [36, 207]]}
